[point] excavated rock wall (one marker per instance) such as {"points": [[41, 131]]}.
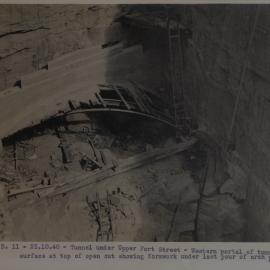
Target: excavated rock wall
{"points": [[228, 60], [31, 35]]}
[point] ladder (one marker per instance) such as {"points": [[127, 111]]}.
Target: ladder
{"points": [[103, 216], [101, 208], [182, 120]]}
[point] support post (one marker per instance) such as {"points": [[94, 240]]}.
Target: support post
{"points": [[1, 147]]}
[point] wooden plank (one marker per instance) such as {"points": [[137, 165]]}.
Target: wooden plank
{"points": [[121, 97], [150, 116], [99, 97], [27, 190], [138, 97], [44, 76], [123, 166], [82, 180], [93, 100], [73, 56], [29, 106], [139, 102]]}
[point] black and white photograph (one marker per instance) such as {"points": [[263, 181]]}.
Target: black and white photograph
{"points": [[132, 123]]}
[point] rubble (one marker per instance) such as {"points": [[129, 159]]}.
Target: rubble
{"points": [[64, 176]]}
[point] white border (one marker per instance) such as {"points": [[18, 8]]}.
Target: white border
{"points": [[134, 1]]}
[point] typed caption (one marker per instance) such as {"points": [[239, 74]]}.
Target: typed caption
{"points": [[108, 252]]}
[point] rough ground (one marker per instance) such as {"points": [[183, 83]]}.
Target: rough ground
{"points": [[143, 204]]}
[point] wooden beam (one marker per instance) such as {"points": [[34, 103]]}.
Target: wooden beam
{"points": [[101, 100], [1, 147], [121, 97], [16, 192], [124, 166], [85, 179], [168, 121], [31, 105]]}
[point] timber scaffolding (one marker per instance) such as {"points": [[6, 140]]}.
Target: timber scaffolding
{"points": [[130, 98], [176, 33]]}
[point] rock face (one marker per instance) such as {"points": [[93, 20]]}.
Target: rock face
{"points": [[31, 35], [228, 58], [221, 219], [236, 185]]}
